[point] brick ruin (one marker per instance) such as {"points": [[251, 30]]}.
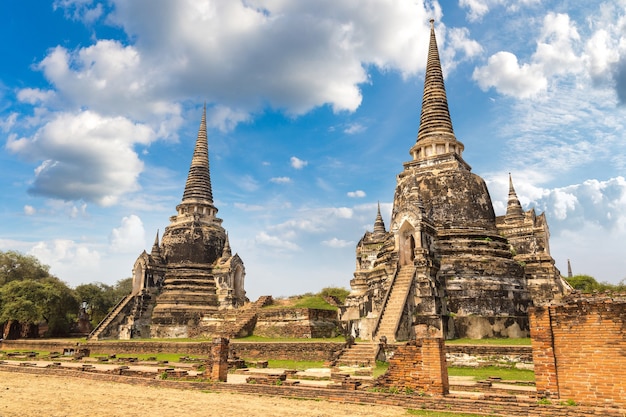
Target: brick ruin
{"points": [[419, 365], [579, 349], [448, 267]]}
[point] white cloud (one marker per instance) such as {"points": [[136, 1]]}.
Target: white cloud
{"points": [[85, 156], [280, 180], [29, 210], [248, 183], [35, 95], [297, 163], [296, 70], [248, 207], [337, 243], [505, 74], [555, 48], [276, 242], [356, 194], [80, 9], [66, 257], [354, 128], [130, 237], [477, 9]]}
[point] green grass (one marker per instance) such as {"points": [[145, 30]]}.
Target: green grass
{"points": [[428, 413], [481, 373], [289, 364], [525, 341], [381, 368], [170, 357]]}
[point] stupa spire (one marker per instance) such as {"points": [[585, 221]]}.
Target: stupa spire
{"points": [[569, 269], [435, 137], [435, 118], [379, 225], [156, 249], [514, 211], [198, 186]]}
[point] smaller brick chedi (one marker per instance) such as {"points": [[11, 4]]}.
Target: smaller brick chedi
{"points": [[448, 267], [190, 278]]}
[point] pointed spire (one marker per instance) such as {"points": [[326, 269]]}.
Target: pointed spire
{"points": [[379, 225], [514, 211], [198, 186], [226, 252], [435, 118], [156, 249], [569, 269]]}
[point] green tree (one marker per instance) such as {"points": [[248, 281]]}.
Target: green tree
{"points": [[340, 293], [16, 266], [30, 302], [586, 283], [29, 295], [98, 298]]}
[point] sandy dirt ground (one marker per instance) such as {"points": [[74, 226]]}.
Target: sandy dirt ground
{"points": [[54, 396]]}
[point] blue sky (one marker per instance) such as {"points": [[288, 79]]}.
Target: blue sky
{"points": [[312, 108]]}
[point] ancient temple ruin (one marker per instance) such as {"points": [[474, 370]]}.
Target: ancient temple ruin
{"points": [[190, 280], [448, 267]]}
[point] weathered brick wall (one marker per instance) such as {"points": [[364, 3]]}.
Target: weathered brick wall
{"points": [[419, 365], [579, 350], [296, 322], [317, 351]]}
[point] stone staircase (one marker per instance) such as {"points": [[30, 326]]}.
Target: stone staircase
{"points": [[109, 317], [358, 354], [394, 306], [245, 319]]}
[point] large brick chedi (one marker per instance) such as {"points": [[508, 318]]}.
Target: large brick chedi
{"points": [[444, 268], [190, 275]]}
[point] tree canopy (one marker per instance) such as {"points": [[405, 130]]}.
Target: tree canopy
{"points": [[16, 266], [30, 295], [587, 283]]}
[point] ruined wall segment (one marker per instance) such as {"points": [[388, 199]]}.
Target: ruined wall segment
{"points": [[579, 349], [419, 365]]}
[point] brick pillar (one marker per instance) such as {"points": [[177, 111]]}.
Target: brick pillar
{"points": [[419, 365], [542, 339], [219, 359], [435, 365]]}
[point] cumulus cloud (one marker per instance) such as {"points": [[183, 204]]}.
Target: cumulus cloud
{"points": [[555, 55], [66, 255], [83, 10], [356, 194], [130, 237], [29, 210], [509, 77], [294, 70], [337, 243], [297, 163], [477, 9], [35, 95], [275, 242], [84, 156]]}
